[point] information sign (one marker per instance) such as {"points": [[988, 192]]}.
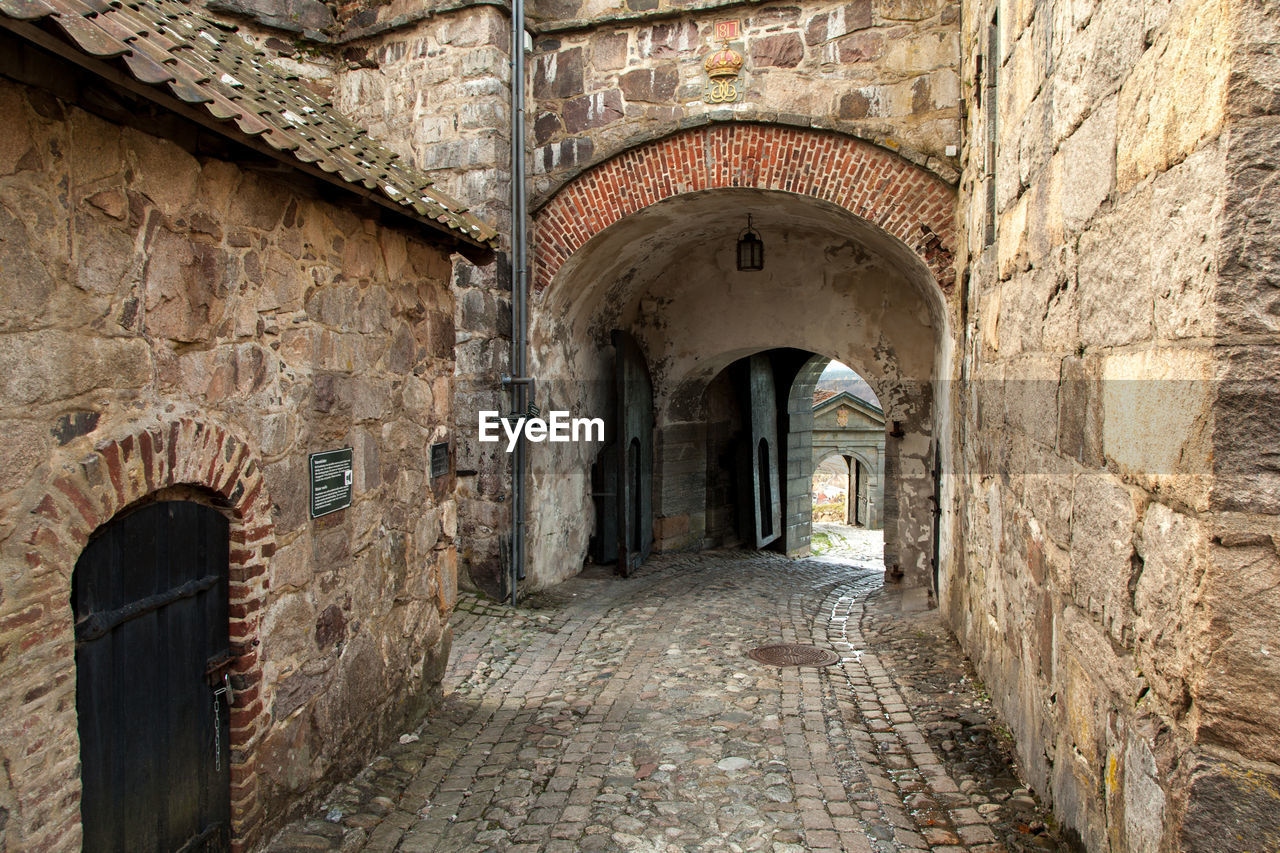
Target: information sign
{"points": [[332, 473]]}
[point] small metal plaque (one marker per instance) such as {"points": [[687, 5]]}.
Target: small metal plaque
{"points": [[439, 459], [332, 475]]}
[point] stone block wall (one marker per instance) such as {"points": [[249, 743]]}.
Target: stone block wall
{"points": [[431, 81], [1116, 555], [179, 321], [798, 489], [437, 90], [680, 505], [605, 77]]}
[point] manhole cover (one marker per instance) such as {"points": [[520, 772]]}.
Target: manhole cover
{"points": [[793, 654]]}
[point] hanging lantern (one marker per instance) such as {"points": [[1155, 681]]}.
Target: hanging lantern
{"points": [[750, 250]]}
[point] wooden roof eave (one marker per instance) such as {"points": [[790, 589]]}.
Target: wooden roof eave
{"points": [[474, 250]]}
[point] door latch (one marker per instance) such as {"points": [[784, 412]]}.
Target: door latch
{"points": [[224, 690], [217, 667]]}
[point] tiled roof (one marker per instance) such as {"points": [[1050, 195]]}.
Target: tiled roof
{"points": [[167, 43], [826, 399]]}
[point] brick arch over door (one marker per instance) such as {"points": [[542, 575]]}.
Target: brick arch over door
{"points": [[77, 498], [875, 184]]}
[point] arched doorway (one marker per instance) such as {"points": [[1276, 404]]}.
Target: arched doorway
{"points": [[182, 458], [832, 490], [807, 427], [657, 260], [149, 596]]}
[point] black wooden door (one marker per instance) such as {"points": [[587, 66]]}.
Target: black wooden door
{"points": [[604, 491], [762, 504], [863, 494], [149, 595], [634, 392], [937, 513]]}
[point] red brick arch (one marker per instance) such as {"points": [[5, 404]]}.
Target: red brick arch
{"points": [[77, 498], [871, 182]]}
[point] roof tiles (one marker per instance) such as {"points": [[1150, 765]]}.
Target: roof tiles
{"points": [[166, 43]]}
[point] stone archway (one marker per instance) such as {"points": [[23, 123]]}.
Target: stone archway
{"points": [[859, 465], [860, 249], [77, 497], [846, 473], [902, 199]]}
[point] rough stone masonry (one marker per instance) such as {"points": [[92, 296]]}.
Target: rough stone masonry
{"points": [[185, 326], [1117, 552], [1044, 231]]}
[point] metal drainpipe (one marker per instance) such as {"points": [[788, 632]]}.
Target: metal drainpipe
{"points": [[519, 383]]}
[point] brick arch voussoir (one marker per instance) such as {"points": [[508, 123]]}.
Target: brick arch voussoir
{"points": [[80, 497], [903, 199]]}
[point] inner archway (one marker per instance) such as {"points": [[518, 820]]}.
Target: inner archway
{"points": [[830, 489], [806, 427], [834, 283]]}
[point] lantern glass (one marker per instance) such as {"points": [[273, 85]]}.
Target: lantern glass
{"points": [[750, 250]]}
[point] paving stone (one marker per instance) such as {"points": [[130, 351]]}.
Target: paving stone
{"points": [[612, 714]]}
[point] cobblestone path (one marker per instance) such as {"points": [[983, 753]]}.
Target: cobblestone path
{"points": [[858, 544], [625, 715]]}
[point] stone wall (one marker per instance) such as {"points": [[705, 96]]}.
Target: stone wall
{"points": [[1116, 568], [431, 81], [797, 513], [173, 320], [437, 90], [605, 76]]}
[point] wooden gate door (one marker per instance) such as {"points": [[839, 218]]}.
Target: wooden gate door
{"points": [[762, 508], [622, 476], [634, 407], [149, 595], [864, 494], [937, 513]]}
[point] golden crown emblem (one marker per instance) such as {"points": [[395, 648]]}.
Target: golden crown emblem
{"points": [[725, 62]]}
